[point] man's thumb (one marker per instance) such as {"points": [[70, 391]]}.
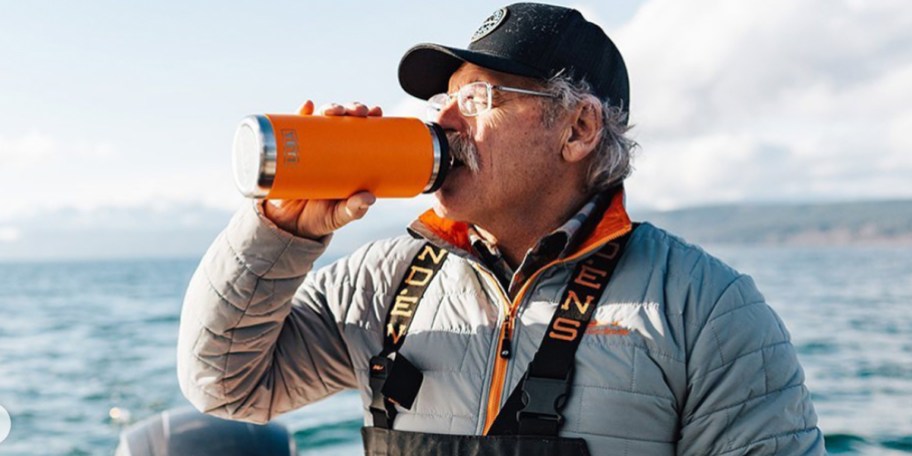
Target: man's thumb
{"points": [[355, 207]]}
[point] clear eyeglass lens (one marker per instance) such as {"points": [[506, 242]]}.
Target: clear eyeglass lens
{"points": [[435, 104], [473, 98], [438, 101]]}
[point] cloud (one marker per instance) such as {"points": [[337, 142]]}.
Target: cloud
{"points": [[9, 234], [44, 171], [408, 107], [776, 100], [27, 150], [35, 149], [47, 173]]}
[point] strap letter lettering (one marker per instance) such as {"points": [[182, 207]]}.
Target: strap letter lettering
{"points": [[564, 329], [436, 257], [396, 335], [403, 306], [581, 306], [589, 277], [412, 282]]}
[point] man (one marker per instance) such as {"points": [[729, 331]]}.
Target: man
{"points": [[525, 313]]}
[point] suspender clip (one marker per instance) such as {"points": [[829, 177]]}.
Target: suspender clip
{"points": [[542, 398], [395, 378], [381, 410]]}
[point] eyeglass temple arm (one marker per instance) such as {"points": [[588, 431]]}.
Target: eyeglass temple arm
{"points": [[524, 91]]}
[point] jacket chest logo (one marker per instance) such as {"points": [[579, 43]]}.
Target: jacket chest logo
{"points": [[614, 328]]}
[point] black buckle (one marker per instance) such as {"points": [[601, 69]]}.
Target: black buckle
{"points": [[403, 382], [542, 398], [382, 412], [393, 381]]}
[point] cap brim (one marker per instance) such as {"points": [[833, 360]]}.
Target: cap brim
{"points": [[425, 69]]}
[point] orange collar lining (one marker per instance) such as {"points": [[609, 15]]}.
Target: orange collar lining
{"points": [[614, 220]]}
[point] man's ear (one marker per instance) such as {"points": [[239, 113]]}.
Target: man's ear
{"points": [[585, 130]]}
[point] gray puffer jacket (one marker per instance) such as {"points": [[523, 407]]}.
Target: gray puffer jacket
{"points": [[683, 355]]}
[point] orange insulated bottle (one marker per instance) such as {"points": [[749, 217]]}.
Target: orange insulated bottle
{"points": [[281, 156]]}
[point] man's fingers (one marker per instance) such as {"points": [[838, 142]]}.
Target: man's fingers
{"points": [[306, 109], [356, 109], [284, 213], [332, 109]]}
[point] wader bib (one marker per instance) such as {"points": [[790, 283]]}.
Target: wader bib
{"points": [[529, 421]]}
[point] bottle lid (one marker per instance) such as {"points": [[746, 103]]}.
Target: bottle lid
{"points": [[254, 156]]}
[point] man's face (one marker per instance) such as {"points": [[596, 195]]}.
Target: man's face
{"points": [[518, 156]]}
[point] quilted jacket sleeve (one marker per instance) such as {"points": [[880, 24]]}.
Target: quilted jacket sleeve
{"points": [[746, 392], [259, 336]]}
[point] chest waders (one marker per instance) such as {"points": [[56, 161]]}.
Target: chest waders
{"points": [[529, 421]]}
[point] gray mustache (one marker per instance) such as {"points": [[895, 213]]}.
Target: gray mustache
{"points": [[463, 149]]}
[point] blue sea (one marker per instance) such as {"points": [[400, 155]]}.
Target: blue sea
{"points": [[78, 339]]}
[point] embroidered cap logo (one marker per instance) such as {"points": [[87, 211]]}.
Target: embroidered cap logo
{"points": [[490, 24]]}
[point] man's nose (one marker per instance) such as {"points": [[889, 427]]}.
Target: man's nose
{"points": [[450, 118]]}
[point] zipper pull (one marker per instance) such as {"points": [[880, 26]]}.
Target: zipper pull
{"points": [[506, 346]]}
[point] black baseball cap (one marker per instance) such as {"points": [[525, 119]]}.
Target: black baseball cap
{"points": [[525, 39]]}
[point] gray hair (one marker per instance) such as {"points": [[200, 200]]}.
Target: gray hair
{"points": [[611, 163]]}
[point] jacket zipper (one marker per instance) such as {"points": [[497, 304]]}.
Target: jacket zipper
{"points": [[499, 379], [498, 373], [505, 349]]}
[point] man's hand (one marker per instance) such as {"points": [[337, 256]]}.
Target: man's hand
{"points": [[316, 218]]}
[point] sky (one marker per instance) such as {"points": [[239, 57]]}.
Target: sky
{"points": [[132, 105]]}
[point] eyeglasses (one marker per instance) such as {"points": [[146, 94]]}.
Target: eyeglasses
{"points": [[474, 98]]}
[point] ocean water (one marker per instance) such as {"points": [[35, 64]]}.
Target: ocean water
{"points": [[80, 338]]}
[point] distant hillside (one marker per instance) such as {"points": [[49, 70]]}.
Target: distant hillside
{"points": [[177, 230], [156, 231], [164, 231], [881, 222]]}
